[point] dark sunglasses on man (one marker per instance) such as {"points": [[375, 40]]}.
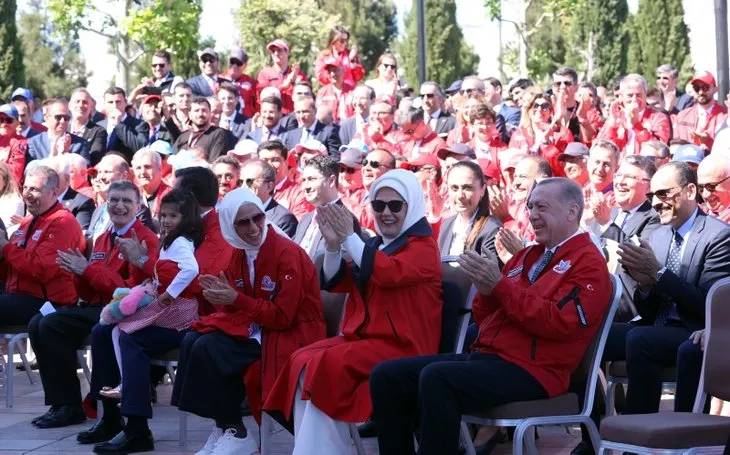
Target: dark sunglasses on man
{"points": [[372, 163], [663, 195], [60, 117], [207, 59], [347, 169], [379, 206], [710, 187], [7, 120]]}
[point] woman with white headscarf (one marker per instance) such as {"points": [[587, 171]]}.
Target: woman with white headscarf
{"points": [[268, 305], [393, 310]]}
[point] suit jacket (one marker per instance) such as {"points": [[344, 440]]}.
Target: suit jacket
{"points": [[201, 87], [445, 123], [39, 147], [96, 136], [138, 136], [485, 239], [511, 119], [280, 216], [238, 127], [257, 135], [289, 122], [704, 261], [80, 206], [325, 134], [214, 141], [32, 132], [318, 242], [114, 142], [348, 129]]}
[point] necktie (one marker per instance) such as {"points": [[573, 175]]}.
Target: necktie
{"points": [[113, 238], [673, 262], [544, 261], [626, 214], [153, 136]]}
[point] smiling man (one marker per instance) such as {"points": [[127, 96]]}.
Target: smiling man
{"points": [[203, 134], [699, 123], [713, 184]]}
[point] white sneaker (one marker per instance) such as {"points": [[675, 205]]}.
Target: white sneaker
{"points": [[210, 443], [228, 444]]}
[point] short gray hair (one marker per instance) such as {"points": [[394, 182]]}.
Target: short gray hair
{"points": [[668, 68], [659, 146], [607, 145], [268, 172], [146, 152], [436, 87], [570, 192], [48, 174], [125, 185], [634, 79], [412, 115]]}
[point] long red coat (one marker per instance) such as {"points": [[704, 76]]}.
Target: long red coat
{"points": [[284, 300], [394, 312]]}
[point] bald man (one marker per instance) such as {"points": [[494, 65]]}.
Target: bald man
{"points": [[713, 184]]}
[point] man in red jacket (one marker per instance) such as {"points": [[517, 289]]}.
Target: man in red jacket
{"points": [[13, 146], [699, 123], [56, 336], [536, 320]]}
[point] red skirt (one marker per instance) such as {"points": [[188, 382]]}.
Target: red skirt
{"points": [[179, 315]]}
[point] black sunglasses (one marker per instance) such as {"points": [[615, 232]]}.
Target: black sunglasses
{"points": [[710, 187], [60, 117], [565, 83], [388, 65], [542, 106], [246, 222], [662, 195], [235, 62], [393, 206], [701, 88], [158, 65], [372, 164], [428, 95], [207, 59], [7, 120], [467, 91], [347, 169]]}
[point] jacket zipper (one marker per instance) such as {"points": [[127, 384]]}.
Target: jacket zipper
{"points": [[392, 326], [571, 296], [533, 352]]}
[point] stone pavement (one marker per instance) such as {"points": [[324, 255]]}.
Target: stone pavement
{"points": [[18, 436]]}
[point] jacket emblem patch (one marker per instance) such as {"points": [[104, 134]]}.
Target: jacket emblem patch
{"points": [[267, 284], [239, 283], [37, 235], [561, 267], [514, 272], [98, 256]]}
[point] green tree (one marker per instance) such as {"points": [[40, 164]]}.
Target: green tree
{"points": [[448, 56], [54, 67], [371, 23], [134, 27], [11, 53], [599, 40], [659, 35], [300, 22]]}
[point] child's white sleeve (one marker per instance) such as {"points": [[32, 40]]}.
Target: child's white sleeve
{"points": [[182, 252]]}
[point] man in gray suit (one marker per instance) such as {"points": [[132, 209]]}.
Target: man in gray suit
{"points": [[362, 98], [56, 141], [260, 177], [432, 103], [206, 83]]}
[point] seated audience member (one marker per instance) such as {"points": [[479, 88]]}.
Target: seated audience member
{"points": [[712, 184], [319, 183], [151, 129], [528, 345], [690, 154], [432, 103], [202, 134], [287, 192], [207, 83], [454, 153], [631, 122], [512, 207], [25, 126], [269, 116], [80, 206], [699, 123], [216, 110], [253, 322], [56, 336], [162, 76], [13, 147], [472, 228], [245, 150], [12, 207], [485, 140], [81, 125], [115, 110], [574, 160], [350, 185], [179, 119], [147, 168], [29, 268], [400, 264], [381, 130], [375, 164], [231, 119], [79, 180], [658, 151], [603, 161], [417, 137], [228, 172], [427, 168], [303, 152], [259, 177], [362, 96], [57, 140], [311, 128]]}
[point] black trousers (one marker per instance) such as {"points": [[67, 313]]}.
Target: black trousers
{"points": [[437, 390], [18, 309], [209, 380], [55, 339], [689, 369]]}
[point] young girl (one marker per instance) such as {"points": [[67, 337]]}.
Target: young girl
{"points": [[181, 231]]}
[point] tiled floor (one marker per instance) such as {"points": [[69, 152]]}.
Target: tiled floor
{"points": [[18, 436]]}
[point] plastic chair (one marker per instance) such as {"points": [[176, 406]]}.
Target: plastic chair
{"points": [[14, 336]]}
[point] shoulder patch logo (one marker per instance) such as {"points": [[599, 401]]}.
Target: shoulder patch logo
{"points": [[514, 272], [561, 267], [267, 284]]}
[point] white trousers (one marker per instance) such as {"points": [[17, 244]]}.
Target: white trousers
{"points": [[316, 433]]}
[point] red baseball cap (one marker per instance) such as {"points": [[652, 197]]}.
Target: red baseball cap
{"points": [[423, 159], [705, 77], [278, 44], [150, 98]]}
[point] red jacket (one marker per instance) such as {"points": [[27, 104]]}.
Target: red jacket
{"points": [[247, 91], [430, 144], [271, 77], [354, 200], [284, 300], [546, 327], [352, 70], [389, 141], [339, 102], [653, 125], [685, 123], [30, 256], [12, 153], [291, 196], [108, 270], [162, 190], [523, 140], [395, 312]]}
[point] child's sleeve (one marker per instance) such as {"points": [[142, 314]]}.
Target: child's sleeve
{"points": [[182, 252]]}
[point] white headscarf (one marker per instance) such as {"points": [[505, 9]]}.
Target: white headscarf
{"points": [[227, 211], [406, 184]]}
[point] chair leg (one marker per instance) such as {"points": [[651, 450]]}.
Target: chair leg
{"points": [[81, 355], [466, 441], [24, 359], [265, 433], [530, 444], [9, 375], [183, 429], [355, 435], [594, 434], [610, 398]]}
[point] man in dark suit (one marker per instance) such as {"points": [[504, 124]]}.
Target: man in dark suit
{"points": [[210, 138], [320, 181], [260, 177], [362, 98], [231, 119], [80, 206], [207, 83], [311, 128], [25, 128], [82, 126], [432, 103], [144, 133], [56, 141], [115, 105], [270, 115]]}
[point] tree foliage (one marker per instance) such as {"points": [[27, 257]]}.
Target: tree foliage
{"points": [[11, 52], [300, 22], [659, 35], [371, 23], [54, 66], [448, 56]]}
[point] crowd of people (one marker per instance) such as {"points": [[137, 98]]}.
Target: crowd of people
{"points": [[209, 214]]}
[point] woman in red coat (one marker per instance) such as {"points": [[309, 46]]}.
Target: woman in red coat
{"points": [[348, 60], [267, 306], [393, 311]]}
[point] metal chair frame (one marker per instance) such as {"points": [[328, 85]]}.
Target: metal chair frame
{"points": [[13, 340]]}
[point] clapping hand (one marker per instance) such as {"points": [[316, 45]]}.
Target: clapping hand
{"points": [[483, 271], [72, 261], [698, 337], [600, 208], [498, 204], [640, 262], [507, 243], [335, 223], [132, 249], [216, 289]]}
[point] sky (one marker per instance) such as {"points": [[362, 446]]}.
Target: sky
{"points": [[217, 21]]}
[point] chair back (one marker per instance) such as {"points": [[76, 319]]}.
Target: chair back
{"points": [[457, 293], [590, 364], [332, 304], [716, 368]]}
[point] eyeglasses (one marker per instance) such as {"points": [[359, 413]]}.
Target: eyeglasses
{"points": [[347, 170], [565, 83], [541, 106], [372, 164], [235, 63], [662, 195], [249, 182], [710, 187], [7, 120], [619, 175], [701, 88], [158, 65], [207, 59], [393, 206], [60, 117], [388, 65], [246, 222], [469, 91], [428, 95]]}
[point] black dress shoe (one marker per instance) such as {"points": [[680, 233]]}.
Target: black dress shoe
{"points": [[102, 431], [52, 410], [121, 443], [63, 417], [368, 429], [584, 448], [33, 366], [499, 437]]}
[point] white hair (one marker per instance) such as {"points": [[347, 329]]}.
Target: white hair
{"points": [[270, 91], [76, 161], [634, 79], [146, 152]]}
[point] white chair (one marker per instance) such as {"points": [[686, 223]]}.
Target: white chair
{"points": [[14, 337]]}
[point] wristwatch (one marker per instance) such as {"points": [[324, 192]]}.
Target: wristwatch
{"points": [[660, 273], [144, 258]]}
